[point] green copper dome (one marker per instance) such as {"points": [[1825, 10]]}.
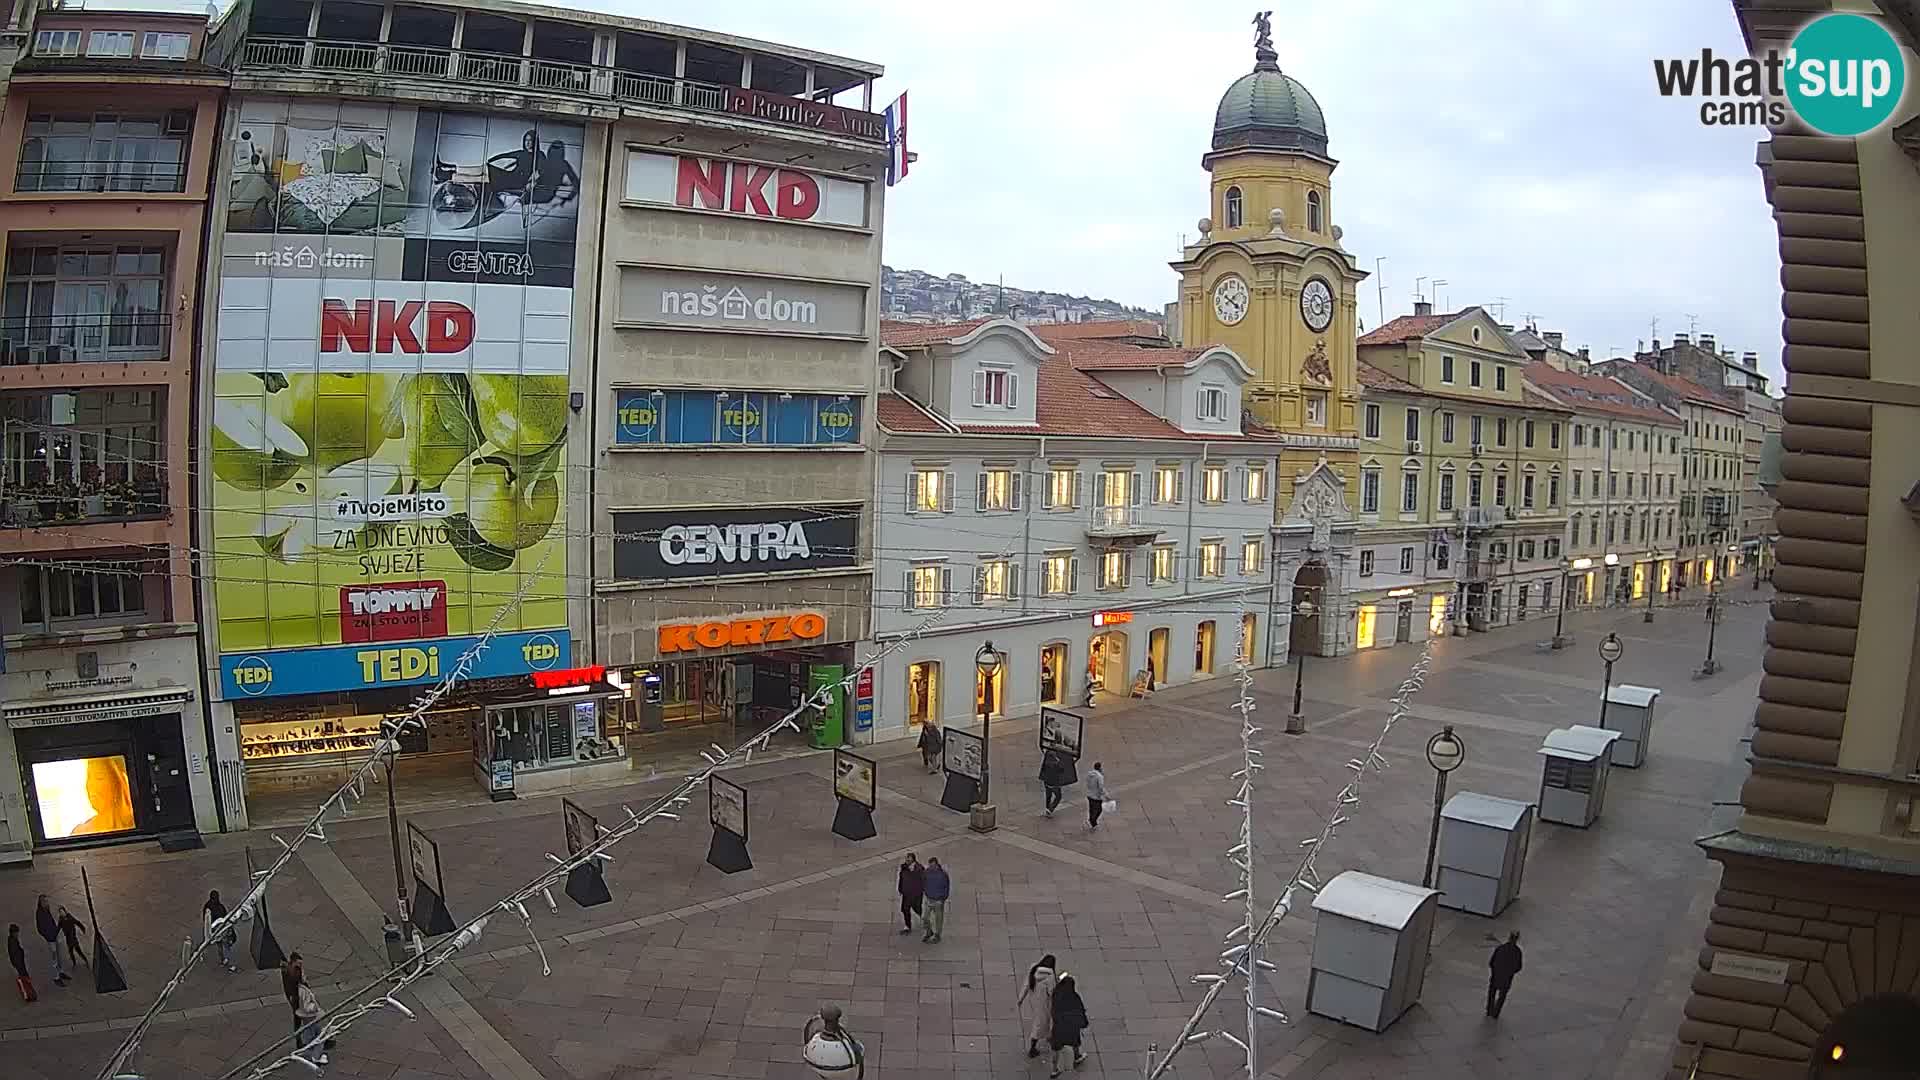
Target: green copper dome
{"points": [[1269, 109]]}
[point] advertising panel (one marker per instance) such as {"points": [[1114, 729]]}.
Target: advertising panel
{"points": [[727, 806], [667, 544], [734, 418], [752, 189], [391, 393], [853, 778], [705, 300], [83, 796]]}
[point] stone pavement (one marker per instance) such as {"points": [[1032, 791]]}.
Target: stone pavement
{"points": [[692, 974]]}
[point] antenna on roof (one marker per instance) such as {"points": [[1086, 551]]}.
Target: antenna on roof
{"points": [[1693, 321], [1499, 307]]}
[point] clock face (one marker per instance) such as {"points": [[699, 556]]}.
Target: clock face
{"points": [[1230, 300], [1316, 304]]}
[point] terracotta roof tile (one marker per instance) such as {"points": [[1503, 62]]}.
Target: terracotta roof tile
{"points": [[1099, 355], [1373, 377], [1103, 329], [1407, 326], [898, 414], [908, 335], [1594, 393]]}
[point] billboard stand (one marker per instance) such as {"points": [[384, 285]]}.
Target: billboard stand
{"points": [[586, 883], [429, 908], [727, 809], [1063, 733], [961, 759], [854, 788], [262, 946], [108, 976]]}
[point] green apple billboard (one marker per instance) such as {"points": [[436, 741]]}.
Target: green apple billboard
{"points": [[391, 399]]}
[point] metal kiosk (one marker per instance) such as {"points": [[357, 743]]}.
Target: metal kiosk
{"points": [[1573, 781], [1630, 712], [1370, 942], [1483, 850]]}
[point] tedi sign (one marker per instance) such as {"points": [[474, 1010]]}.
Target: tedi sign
{"points": [[1843, 75], [749, 188], [665, 544]]}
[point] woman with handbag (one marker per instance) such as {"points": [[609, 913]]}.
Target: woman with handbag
{"points": [[306, 1010], [210, 914], [1069, 1020]]}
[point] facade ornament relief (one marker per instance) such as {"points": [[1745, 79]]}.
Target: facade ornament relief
{"points": [[1316, 365], [1319, 500]]}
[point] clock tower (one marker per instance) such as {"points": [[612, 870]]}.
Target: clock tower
{"points": [[1269, 279]]}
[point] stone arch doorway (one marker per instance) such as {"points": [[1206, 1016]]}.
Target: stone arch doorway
{"points": [[1875, 1038], [1309, 585]]}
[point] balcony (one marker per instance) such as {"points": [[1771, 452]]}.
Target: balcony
{"points": [[1120, 526], [1483, 517], [470, 68], [86, 339], [29, 506]]}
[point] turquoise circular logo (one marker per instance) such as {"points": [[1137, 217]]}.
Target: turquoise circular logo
{"points": [[252, 675], [1845, 74]]}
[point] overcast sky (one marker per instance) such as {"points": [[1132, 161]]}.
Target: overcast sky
{"points": [[1515, 148]]}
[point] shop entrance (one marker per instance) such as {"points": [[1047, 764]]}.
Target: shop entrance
{"points": [[1403, 621], [1309, 596], [923, 692], [1203, 649], [1107, 661], [1053, 674], [107, 780], [1157, 657]]}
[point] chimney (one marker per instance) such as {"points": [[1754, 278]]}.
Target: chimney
{"points": [[1750, 361], [1554, 338], [1586, 354], [1656, 344], [1423, 307], [1706, 342], [1681, 339]]}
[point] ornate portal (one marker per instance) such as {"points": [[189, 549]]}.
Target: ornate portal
{"points": [[1319, 499]]}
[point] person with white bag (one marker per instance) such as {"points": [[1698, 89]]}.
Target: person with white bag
{"points": [[1097, 798]]}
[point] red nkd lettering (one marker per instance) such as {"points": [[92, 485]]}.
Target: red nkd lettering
{"points": [[388, 326], [737, 187], [701, 184], [797, 197]]}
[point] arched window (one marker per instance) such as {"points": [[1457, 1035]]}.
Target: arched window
{"points": [[1236, 210], [1313, 211]]}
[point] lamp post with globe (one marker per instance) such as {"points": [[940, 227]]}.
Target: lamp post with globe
{"points": [[1445, 752], [1296, 721], [829, 1049], [988, 661]]}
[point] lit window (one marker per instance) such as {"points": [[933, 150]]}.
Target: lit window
{"points": [[929, 585], [110, 43], [1113, 570], [1169, 484], [1363, 626], [1117, 489], [929, 491], [1213, 559], [1063, 489], [1370, 491], [159, 46], [1252, 557], [1161, 565], [1213, 403], [1059, 575], [996, 388], [996, 581], [998, 489], [1236, 208], [1214, 484], [1256, 483]]}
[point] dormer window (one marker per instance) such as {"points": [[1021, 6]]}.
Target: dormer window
{"points": [[1236, 208], [1313, 211], [996, 388], [1213, 403]]}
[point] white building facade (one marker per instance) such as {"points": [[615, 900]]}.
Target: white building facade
{"points": [[1094, 510]]}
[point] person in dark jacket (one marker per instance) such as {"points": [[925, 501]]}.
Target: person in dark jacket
{"points": [[939, 888], [913, 888], [212, 912], [1069, 1020], [932, 742], [49, 929], [17, 956], [70, 928], [1504, 965], [1053, 776]]}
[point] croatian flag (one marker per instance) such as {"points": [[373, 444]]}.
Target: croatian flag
{"points": [[897, 140]]}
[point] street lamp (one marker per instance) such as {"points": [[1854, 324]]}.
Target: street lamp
{"points": [[1296, 721], [1712, 666], [1445, 752], [1610, 650], [1653, 572], [404, 918], [988, 661]]}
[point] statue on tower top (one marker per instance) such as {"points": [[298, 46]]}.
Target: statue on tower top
{"points": [[1263, 39]]}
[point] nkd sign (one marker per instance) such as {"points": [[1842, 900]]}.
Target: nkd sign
{"points": [[700, 300], [721, 185]]}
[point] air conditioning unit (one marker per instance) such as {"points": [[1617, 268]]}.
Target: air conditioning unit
{"points": [[1413, 446], [1479, 448], [1511, 515]]}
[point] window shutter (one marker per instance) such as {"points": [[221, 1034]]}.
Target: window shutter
{"points": [[1046, 491], [1180, 486], [1019, 483], [913, 599], [913, 491], [980, 491], [1013, 581], [979, 387], [946, 586], [1073, 575], [1013, 389], [946, 491], [1133, 489], [1077, 478], [1240, 481], [979, 585]]}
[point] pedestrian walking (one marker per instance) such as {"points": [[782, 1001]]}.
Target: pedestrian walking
{"points": [[306, 1010], [1503, 966], [1036, 1003], [1069, 1020], [212, 912], [913, 887], [932, 743], [70, 928], [1096, 795], [939, 888], [17, 956], [49, 929], [1053, 776]]}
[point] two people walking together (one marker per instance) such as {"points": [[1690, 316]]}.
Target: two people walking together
{"points": [[57, 927], [1053, 1012], [924, 891]]}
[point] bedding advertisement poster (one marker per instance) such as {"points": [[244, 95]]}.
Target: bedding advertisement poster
{"points": [[391, 401]]}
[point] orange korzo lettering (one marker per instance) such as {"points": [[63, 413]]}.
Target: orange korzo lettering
{"points": [[748, 631], [688, 637], [676, 638], [777, 629]]}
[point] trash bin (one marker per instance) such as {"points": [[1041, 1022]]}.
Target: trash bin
{"points": [[1630, 712], [397, 952], [1370, 942], [1483, 850], [1573, 778]]}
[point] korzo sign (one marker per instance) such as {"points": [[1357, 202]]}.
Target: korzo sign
{"points": [[667, 544], [720, 185]]}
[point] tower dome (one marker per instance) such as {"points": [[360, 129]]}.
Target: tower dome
{"points": [[1267, 109]]}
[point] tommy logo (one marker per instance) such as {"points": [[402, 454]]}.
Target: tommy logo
{"points": [[394, 611], [388, 326]]}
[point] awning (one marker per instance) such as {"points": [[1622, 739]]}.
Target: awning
{"points": [[89, 709]]}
